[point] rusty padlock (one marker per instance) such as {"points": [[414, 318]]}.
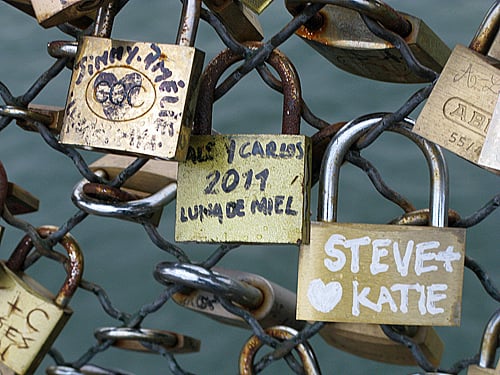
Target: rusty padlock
{"points": [[340, 35], [269, 303], [242, 24], [257, 182], [133, 97], [53, 13], [423, 272], [462, 112], [32, 317], [489, 347]]}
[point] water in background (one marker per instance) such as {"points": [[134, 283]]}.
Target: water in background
{"points": [[119, 255]]}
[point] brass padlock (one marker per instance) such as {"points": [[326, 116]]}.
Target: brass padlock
{"points": [[53, 13], [31, 316], [50, 116], [348, 274], [133, 97], [27, 7], [269, 303], [257, 6], [459, 113], [242, 24], [257, 182], [489, 347], [340, 35]]}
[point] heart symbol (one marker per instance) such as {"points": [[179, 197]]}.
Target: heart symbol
{"points": [[323, 297]]}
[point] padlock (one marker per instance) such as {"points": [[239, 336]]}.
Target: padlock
{"points": [[269, 303], [459, 113], [152, 187], [50, 116], [17, 200], [254, 343], [489, 347], [347, 273], [32, 317], [340, 35], [257, 182], [240, 22], [132, 97], [257, 6], [53, 13], [27, 7], [132, 338], [88, 369]]}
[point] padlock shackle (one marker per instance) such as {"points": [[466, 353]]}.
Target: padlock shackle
{"points": [[75, 261], [291, 90], [490, 341], [487, 31], [381, 12], [348, 135], [197, 277], [188, 26]]}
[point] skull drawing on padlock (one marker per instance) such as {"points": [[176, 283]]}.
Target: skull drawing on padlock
{"points": [[383, 274], [133, 97], [489, 347], [32, 317], [257, 182]]}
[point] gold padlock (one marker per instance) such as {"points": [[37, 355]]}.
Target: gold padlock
{"points": [[257, 182], [257, 6], [348, 274], [340, 35], [489, 347], [242, 24], [27, 6], [460, 111], [132, 97], [52, 13], [50, 116], [31, 316]]}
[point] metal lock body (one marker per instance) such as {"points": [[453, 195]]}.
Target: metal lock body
{"points": [[341, 36], [348, 274], [269, 303], [257, 6], [460, 111], [31, 316], [55, 12], [240, 22], [135, 98], [489, 347], [257, 182], [132, 338]]}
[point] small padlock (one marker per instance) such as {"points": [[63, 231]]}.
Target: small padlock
{"points": [[132, 97], [257, 6], [27, 7], [31, 316], [489, 347], [242, 24], [50, 116], [459, 113], [257, 182], [269, 303], [340, 35], [348, 274], [53, 13]]}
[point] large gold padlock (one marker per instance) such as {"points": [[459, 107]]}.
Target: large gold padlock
{"points": [[340, 35], [489, 347], [242, 24], [459, 113], [348, 274], [135, 98], [31, 316], [52, 13], [257, 182]]}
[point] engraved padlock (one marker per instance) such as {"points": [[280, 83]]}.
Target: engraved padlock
{"points": [[348, 274], [340, 35], [462, 112], [240, 22], [53, 13], [31, 316], [268, 302], [27, 7], [489, 347], [133, 97], [257, 182]]}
